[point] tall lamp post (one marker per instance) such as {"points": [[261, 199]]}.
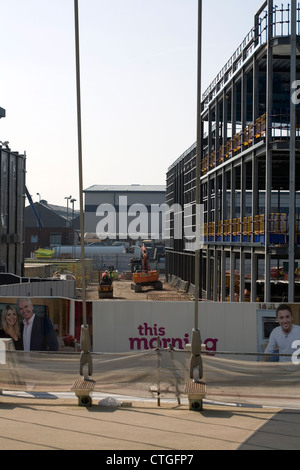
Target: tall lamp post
{"points": [[196, 367], [38, 194], [72, 202], [85, 341], [73, 230], [68, 198]]}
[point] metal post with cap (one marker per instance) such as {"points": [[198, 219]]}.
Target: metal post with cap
{"points": [[86, 368], [196, 389]]}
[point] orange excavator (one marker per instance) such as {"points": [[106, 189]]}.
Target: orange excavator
{"points": [[145, 277]]}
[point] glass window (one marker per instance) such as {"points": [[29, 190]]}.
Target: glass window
{"points": [[55, 238]]}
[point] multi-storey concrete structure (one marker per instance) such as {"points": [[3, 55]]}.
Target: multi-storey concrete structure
{"points": [[250, 157]]}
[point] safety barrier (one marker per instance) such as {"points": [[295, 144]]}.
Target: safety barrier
{"points": [[252, 134], [244, 139], [248, 230], [230, 376]]}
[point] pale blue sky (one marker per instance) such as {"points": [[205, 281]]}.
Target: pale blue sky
{"points": [[138, 76]]}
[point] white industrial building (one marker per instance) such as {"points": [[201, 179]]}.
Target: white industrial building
{"points": [[125, 212]]}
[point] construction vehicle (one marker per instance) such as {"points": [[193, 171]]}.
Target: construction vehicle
{"points": [[148, 245], [135, 265], [143, 277], [146, 278], [105, 288]]}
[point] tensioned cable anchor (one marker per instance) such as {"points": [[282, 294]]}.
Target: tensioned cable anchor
{"points": [[85, 356], [196, 365]]}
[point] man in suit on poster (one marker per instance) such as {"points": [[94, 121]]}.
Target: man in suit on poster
{"points": [[37, 331]]}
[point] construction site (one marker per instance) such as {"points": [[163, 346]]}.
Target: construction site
{"points": [[122, 283], [142, 343]]}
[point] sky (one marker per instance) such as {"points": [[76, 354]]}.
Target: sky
{"points": [[138, 67]]}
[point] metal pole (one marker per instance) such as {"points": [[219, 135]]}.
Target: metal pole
{"points": [[196, 368], [198, 160], [292, 187], [85, 344], [269, 154]]}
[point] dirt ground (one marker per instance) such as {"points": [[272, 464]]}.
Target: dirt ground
{"points": [[123, 291]]}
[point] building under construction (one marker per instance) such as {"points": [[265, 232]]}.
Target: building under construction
{"points": [[250, 166]]}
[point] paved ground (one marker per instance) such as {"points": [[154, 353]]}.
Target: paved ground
{"points": [[56, 423], [59, 423], [282, 432]]}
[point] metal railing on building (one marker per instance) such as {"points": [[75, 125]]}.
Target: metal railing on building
{"points": [[252, 134], [248, 230], [239, 142]]}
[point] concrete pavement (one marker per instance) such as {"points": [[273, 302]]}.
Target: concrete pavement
{"points": [[30, 423], [281, 432]]}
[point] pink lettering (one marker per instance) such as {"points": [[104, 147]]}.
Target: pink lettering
{"points": [[138, 343], [151, 337], [161, 331], [153, 343], [165, 342], [211, 345]]}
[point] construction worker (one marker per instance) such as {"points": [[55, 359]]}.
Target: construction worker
{"points": [[145, 264], [106, 280]]}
